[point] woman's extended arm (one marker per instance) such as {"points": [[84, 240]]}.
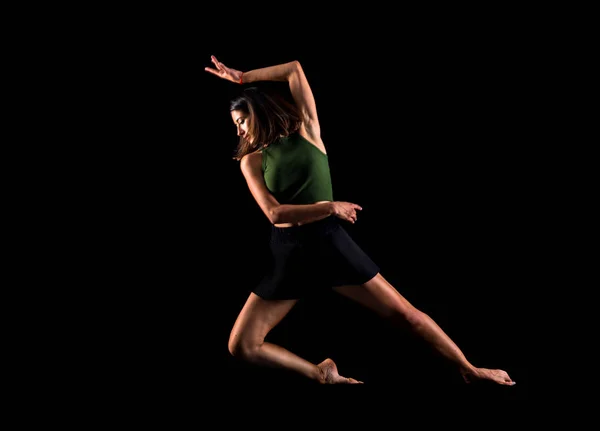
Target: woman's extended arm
{"points": [[291, 72]]}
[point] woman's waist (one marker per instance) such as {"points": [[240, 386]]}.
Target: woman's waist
{"points": [[298, 224], [306, 230]]}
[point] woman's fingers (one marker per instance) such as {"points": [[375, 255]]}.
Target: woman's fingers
{"points": [[353, 216], [217, 63]]}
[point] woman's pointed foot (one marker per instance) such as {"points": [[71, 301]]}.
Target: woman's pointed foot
{"points": [[330, 375], [485, 374]]}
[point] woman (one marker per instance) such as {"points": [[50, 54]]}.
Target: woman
{"points": [[285, 164]]}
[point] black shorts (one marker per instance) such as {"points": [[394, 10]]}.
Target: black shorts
{"points": [[310, 258]]}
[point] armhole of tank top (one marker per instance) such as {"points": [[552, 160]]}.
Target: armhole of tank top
{"points": [[307, 141], [262, 160]]}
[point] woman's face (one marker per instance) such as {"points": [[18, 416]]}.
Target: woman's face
{"points": [[240, 119]]}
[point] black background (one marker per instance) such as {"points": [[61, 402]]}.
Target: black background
{"points": [[434, 129], [435, 143]]}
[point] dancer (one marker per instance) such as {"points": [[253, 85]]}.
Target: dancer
{"points": [[285, 164]]}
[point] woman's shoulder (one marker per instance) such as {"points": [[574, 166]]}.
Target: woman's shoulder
{"points": [[253, 156], [251, 163]]}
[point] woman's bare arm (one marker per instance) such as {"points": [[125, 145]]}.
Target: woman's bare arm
{"points": [[291, 72]]}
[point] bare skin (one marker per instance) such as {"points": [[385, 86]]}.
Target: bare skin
{"points": [[380, 296], [259, 316], [330, 374], [247, 341]]}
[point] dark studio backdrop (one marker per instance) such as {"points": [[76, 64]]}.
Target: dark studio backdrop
{"points": [[434, 141], [434, 135], [436, 138]]}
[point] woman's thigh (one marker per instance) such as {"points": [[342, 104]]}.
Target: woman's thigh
{"points": [[378, 295], [258, 317]]}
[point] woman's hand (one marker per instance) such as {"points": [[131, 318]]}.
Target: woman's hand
{"points": [[223, 71], [346, 211]]}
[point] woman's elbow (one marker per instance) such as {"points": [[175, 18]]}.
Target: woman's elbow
{"points": [[274, 215], [295, 66]]}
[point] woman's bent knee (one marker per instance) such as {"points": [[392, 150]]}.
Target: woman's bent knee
{"points": [[242, 348]]}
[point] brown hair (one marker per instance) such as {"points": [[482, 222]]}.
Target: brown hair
{"points": [[270, 116]]}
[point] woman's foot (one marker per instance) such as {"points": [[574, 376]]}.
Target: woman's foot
{"points": [[484, 374], [330, 375]]}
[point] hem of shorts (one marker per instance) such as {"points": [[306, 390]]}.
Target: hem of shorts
{"points": [[310, 294], [358, 283], [278, 298]]}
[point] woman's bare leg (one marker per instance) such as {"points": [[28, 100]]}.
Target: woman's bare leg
{"points": [[247, 341], [380, 296]]}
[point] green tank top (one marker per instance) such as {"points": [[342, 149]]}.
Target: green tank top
{"points": [[296, 171]]}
